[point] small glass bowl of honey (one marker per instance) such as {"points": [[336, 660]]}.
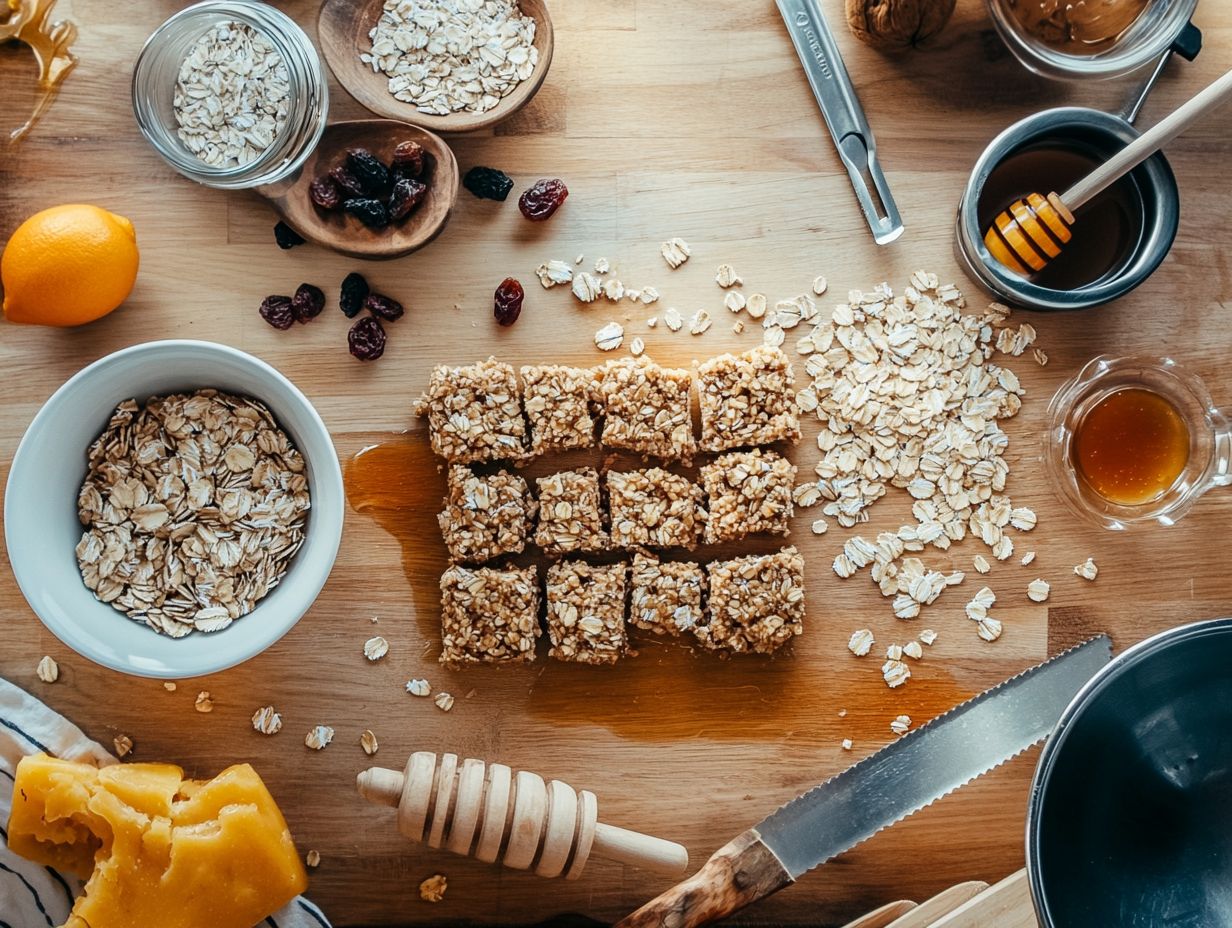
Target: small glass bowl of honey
{"points": [[1133, 440]]}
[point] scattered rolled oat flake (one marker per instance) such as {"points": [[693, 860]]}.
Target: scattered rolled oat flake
{"points": [[170, 686], [48, 670], [894, 652], [1022, 519], [895, 673], [774, 336], [699, 322], [319, 737], [756, 305], [1040, 357], [842, 713], [313, 859], [1087, 569], [267, 721], [1028, 558], [726, 276], [636, 347], [901, 725], [737, 326], [123, 745], [609, 337], [375, 648], [847, 744], [820, 526], [672, 319], [205, 702], [819, 285], [1037, 590], [367, 741], [981, 564], [675, 252], [861, 642], [913, 650], [443, 701], [613, 289], [586, 287], [652, 322], [734, 300], [433, 888], [989, 628], [418, 688], [928, 636], [602, 266], [553, 273]]}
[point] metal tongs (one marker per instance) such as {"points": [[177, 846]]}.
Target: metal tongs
{"points": [[844, 116]]}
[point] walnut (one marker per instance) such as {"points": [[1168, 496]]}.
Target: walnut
{"points": [[896, 25]]}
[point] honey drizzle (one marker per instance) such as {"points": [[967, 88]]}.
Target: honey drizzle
{"points": [[29, 21]]}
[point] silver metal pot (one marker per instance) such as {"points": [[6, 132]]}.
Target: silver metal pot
{"points": [[1151, 189], [1130, 818]]}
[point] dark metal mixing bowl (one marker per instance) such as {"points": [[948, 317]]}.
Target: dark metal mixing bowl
{"points": [[1130, 821]]}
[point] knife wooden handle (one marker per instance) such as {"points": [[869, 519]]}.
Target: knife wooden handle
{"points": [[742, 871]]}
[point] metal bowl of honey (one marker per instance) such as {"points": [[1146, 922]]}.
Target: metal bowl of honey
{"points": [[1120, 238]]}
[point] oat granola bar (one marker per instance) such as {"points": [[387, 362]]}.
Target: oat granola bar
{"points": [[748, 492], [474, 413], [646, 409], [666, 595], [489, 615], [570, 513], [756, 604], [747, 399], [559, 403], [655, 508], [586, 612], [485, 516]]}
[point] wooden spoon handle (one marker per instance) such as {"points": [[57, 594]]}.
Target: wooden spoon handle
{"points": [[742, 871]]}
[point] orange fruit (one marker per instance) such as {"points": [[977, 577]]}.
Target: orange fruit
{"points": [[68, 265]]}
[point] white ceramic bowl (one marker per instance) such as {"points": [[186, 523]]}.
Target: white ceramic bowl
{"points": [[41, 527]]}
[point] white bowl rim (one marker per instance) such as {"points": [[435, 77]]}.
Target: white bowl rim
{"points": [[297, 600]]}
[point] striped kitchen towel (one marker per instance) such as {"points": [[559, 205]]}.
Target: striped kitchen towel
{"points": [[33, 896]]}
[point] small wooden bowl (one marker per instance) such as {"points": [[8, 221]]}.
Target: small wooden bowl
{"points": [[342, 31], [343, 233]]}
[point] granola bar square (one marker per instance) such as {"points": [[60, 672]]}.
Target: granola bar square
{"points": [[570, 513], [756, 604], [485, 516], [475, 413], [666, 595], [559, 403], [747, 399], [748, 492], [646, 409], [586, 612], [655, 508], [489, 615]]}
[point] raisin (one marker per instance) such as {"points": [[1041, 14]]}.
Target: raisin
{"points": [[348, 184], [488, 183], [372, 213], [408, 193], [277, 311], [367, 339], [325, 193], [384, 307], [543, 199], [408, 160], [507, 301], [354, 292], [286, 237], [307, 302], [367, 168]]}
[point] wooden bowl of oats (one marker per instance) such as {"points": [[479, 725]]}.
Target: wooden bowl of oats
{"points": [[174, 509], [390, 55]]}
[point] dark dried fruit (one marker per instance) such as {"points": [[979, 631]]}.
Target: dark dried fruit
{"points": [[354, 292], [307, 302], [488, 183], [276, 310], [372, 213], [325, 193], [408, 194], [543, 199], [367, 168], [367, 339], [384, 307], [408, 159], [507, 301], [348, 183], [286, 237]]}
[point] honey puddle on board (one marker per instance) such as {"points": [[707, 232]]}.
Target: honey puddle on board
{"points": [[1131, 447], [30, 22]]}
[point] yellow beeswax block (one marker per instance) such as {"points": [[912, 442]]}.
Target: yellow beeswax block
{"points": [[157, 850]]}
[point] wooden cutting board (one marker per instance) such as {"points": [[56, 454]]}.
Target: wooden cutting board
{"points": [[683, 119]]}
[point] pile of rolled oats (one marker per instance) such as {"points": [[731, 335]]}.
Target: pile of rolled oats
{"points": [[194, 506], [448, 56], [231, 97]]}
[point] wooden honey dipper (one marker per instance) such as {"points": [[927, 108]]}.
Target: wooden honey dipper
{"points": [[488, 811], [1033, 229]]}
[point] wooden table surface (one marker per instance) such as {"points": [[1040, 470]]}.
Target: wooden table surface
{"points": [[683, 119]]}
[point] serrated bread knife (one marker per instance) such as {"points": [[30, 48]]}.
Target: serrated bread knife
{"points": [[903, 777]]}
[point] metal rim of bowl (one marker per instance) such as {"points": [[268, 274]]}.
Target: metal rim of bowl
{"points": [[1122, 663], [1160, 234]]}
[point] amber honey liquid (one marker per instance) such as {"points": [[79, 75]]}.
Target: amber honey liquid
{"points": [[31, 22], [1131, 447]]}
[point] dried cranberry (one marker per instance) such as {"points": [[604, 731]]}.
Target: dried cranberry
{"points": [[507, 301], [543, 199], [286, 237], [325, 193], [408, 160], [371, 212], [277, 311], [348, 184], [367, 168], [383, 306], [354, 292], [488, 183], [408, 194], [307, 302], [367, 339]]}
